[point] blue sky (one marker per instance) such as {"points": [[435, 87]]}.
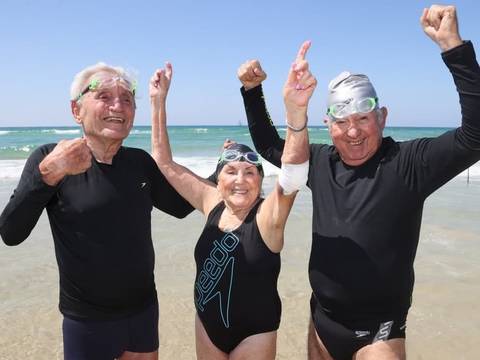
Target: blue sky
{"points": [[44, 43]]}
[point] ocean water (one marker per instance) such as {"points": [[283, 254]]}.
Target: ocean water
{"points": [[196, 147], [445, 299]]}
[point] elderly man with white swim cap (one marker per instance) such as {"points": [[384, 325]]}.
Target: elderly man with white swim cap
{"points": [[368, 193]]}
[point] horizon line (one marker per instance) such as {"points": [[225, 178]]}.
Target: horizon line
{"points": [[216, 125]]}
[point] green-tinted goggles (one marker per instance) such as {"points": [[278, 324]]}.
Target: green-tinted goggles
{"points": [[96, 84], [352, 106]]}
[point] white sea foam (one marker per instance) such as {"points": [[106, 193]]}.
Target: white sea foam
{"points": [[4, 132], [269, 169], [202, 166], [25, 148], [200, 130], [66, 131], [61, 131], [205, 166], [11, 169], [135, 131]]}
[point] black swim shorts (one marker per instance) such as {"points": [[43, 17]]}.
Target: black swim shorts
{"points": [[343, 338], [107, 340]]}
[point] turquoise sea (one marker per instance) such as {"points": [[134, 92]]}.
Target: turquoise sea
{"points": [[197, 147]]}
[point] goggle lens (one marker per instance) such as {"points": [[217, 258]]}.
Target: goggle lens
{"points": [[105, 83], [366, 105], [234, 155], [252, 157], [342, 110]]}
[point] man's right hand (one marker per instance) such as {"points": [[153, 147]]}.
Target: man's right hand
{"points": [[69, 157], [251, 74]]}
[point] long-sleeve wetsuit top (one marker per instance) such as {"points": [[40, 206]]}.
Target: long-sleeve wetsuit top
{"points": [[366, 219], [100, 221]]}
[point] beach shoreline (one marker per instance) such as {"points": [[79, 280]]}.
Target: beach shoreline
{"points": [[444, 321]]}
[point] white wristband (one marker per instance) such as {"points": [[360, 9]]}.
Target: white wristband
{"points": [[292, 177]]}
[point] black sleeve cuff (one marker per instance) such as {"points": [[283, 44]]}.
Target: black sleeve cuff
{"points": [[257, 91], [459, 54], [39, 184]]}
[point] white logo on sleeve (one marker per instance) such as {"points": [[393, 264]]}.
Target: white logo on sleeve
{"points": [[142, 185]]}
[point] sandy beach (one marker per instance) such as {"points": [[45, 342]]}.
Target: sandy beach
{"points": [[444, 322]]}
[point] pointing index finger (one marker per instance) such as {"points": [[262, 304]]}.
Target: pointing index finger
{"points": [[168, 70], [303, 50]]}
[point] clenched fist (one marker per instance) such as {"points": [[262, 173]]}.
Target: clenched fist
{"points": [[440, 24], [250, 74], [69, 157]]}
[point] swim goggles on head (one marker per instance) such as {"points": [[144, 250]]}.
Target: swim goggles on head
{"points": [[109, 82], [235, 155], [351, 106]]}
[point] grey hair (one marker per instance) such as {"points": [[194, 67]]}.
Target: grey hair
{"points": [[80, 79]]}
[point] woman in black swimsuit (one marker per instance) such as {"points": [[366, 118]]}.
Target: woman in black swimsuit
{"points": [[237, 254]]}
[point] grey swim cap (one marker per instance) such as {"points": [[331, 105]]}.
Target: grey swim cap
{"points": [[347, 88]]}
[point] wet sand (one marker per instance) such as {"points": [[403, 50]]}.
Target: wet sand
{"points": [[444, 322]]}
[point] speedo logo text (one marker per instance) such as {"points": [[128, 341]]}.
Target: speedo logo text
{"points": [[219, 265]]}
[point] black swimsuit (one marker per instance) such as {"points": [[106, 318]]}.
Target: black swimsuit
{"points": [[236, 283]]}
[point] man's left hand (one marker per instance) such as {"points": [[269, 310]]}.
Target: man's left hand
{"points": [[440, 24]]}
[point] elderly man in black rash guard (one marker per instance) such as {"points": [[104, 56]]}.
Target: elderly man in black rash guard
{"points": [[368, 194], [99, 196]]}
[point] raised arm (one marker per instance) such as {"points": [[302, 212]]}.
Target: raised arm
{"points": [[199, 192], [440, 159], [265, 137], [440, 23], [297, 92]]}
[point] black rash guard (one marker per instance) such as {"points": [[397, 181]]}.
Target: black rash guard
{"points": [[100, 221], [366, 219]]}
